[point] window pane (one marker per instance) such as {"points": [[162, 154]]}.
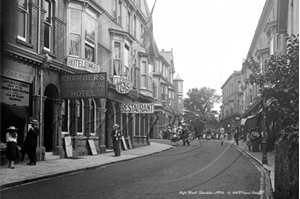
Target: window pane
{"points": [[143, 81], [75, 26], [22, 3], [117, 67], [74, 44], [47, 7], [21, 23], [117, 50], [89, 52], [47, 36], [90, 30]]}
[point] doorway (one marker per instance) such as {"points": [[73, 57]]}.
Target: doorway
{"points": [[50, 124]]}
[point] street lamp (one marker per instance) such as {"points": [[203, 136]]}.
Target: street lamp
{"points": [[264, 140]]}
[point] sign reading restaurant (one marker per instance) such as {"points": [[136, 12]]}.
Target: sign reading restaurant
{"points": [[137, 108], [78, 86]]}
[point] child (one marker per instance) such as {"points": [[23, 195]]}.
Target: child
{"points": [[12, 152]]}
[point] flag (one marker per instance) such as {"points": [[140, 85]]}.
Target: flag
{"points": [[148, 41]]}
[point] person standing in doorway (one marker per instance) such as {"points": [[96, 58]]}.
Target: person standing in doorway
{"points": [[222, 135], [30, 143], [12, 152], [116, 137]]}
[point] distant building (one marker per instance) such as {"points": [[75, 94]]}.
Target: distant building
{"points": [[232, 103]]}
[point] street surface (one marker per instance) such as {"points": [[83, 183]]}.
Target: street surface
{"points": [[206, 171]]}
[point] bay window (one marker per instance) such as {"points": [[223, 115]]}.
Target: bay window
{"points": [[82, 31], [117, 58], [75, 32], [126, 60], [144, 75], [22, 20], [90, 35]]}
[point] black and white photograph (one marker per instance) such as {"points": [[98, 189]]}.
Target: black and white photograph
{"points": [[149, 99]]}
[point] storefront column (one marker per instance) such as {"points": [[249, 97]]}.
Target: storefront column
{"points": [[87, 120], [36, 113], [142, 124], [58, 149], [101, 124]]}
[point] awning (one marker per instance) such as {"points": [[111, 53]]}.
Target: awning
{"points": [[243, 120]]}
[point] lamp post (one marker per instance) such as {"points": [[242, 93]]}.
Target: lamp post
{"points": [[264, 140]]}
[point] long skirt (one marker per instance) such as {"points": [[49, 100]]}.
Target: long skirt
{"points": [[12, 152], [116, 145]]}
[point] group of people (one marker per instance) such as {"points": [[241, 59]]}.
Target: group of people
{"points": [[181, 133], [29, 146]]}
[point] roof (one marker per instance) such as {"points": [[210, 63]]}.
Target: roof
{"points": [[178, 77]]}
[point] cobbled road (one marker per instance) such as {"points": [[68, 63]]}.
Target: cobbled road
{"points": [[208, 170]]}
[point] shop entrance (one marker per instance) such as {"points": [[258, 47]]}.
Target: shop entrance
{"points": [[50, 122]]}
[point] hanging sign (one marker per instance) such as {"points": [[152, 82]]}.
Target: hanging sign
{"points": [[137, 108], [79, 86], [14, 92], [123, 85]]}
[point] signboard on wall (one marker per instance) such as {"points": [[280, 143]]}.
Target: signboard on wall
{"points": [[79, 86], [83, 64], [14, 92], [137, 108], [123, 85]]}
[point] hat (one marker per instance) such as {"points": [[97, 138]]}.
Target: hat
{"points": [[33, 121], [116, 126], [12, 128]]}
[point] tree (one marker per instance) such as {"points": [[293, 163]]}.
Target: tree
{"points": [[280, 83], [199, 108]]}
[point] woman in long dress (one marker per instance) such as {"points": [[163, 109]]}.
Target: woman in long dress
{"points": [[222, 135]]}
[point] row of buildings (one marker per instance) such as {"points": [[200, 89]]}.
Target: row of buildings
{"points": [[79, 67], [241, 103]]}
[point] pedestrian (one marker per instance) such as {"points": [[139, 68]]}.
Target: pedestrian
{"points": [[249, 144], [12, 152], [185, 135], [237, 136], [222, 135], [116, 137], [30, 143]]}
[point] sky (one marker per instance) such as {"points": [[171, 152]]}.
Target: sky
{"points": [[209, 38]]}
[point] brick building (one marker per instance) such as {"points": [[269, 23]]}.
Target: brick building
{"points": [[46, 42]]}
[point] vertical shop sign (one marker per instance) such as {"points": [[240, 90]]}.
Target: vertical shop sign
{"points": [[14, 92]]}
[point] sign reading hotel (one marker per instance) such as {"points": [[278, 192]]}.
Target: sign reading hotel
{"points": [[79, 86], [137, 108], [123, 85], [14, 92], [82, 64]]}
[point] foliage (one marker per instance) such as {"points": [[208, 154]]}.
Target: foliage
{"points": [[287, 166], [280, 82], [199, 107]]}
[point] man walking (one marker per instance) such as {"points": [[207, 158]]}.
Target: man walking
{"points": [[31, 142]]}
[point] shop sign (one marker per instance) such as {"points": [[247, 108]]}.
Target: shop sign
{"points": [[137, 108], [79, 86], [14, 92], [18, 76], [82, 64], [123, 85]]}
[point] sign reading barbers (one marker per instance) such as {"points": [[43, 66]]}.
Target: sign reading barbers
{"points": [[79, 86], [123, 85], [14, 92], [137, 108]]}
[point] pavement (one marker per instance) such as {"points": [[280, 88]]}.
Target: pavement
{"points": [[57, 167], [257, 156]]}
